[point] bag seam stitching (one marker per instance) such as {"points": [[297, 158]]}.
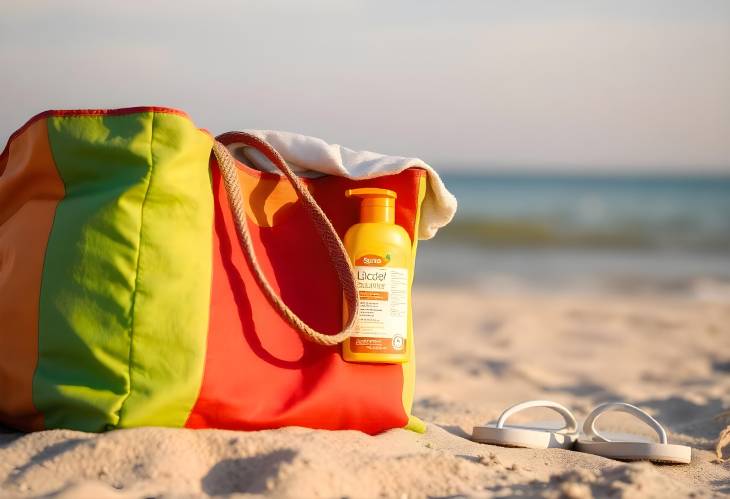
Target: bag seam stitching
{"points": [[135, 291]]}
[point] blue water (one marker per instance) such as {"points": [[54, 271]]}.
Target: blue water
{"points": [[614, 212], [624, 233]]}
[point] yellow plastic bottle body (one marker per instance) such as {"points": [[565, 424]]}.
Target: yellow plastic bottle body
{"points": [[392, 243]]}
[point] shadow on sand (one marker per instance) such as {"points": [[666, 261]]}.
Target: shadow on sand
{"points": [[246, 474]]}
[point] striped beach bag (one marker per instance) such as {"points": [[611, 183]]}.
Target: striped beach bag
{"points": [[148, 278]]}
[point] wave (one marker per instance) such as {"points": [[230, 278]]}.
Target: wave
{"points": [[536, 233]]}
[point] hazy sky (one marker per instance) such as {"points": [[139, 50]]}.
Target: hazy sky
{"points": [[588, 85]]}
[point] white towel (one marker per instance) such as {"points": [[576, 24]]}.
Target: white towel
{"points": [[312, 157]]}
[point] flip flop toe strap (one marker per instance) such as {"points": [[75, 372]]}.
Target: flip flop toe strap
{"points": [[589, 426], [571, 425]]}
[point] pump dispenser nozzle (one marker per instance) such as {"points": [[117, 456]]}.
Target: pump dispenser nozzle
{"points": [[378, 205]]}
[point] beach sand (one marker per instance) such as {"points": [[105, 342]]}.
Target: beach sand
{"points": [[478, 352]]}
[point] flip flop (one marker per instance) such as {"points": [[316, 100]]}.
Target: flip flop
{"points": [[532, 437], [629, 447]]}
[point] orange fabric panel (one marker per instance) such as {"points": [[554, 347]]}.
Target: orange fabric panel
{"points": [[259, 372], [30, 190], [268, 198]]}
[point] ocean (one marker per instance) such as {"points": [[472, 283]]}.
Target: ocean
{"points": [[625, 233]]}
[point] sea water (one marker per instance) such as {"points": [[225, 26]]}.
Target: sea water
{"points": [[630, 232]]}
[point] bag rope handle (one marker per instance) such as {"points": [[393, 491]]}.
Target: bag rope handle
{"points": [[337, 253]]}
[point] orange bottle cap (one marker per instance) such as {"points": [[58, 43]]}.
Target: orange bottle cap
{"points": [[378, 205]]}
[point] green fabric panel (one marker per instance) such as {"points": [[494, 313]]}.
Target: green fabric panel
{"points": [[172, 304], [90, 269], [95, 290]]}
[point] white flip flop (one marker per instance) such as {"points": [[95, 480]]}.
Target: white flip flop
{"points": [[532, 437], [629, 447]]}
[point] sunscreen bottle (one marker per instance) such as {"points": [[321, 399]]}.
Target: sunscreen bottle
{"points": [[380, 252]]}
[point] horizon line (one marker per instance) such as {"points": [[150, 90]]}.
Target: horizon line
{"points": [[461, 167]]}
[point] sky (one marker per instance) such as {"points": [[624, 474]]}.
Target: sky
{"points": [[581, 86]]}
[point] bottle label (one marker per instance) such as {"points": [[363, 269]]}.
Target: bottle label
{"points": [[382, 322]]}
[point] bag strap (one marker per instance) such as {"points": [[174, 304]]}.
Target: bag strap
{"points": [[337, 253]]}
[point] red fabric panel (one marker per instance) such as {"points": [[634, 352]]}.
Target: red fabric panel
{"points": [[259, 373]]}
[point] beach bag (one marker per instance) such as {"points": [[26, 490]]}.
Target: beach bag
{"points": [[148, 278]]}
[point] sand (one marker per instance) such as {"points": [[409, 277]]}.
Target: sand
{"points": [[478, 352]]}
